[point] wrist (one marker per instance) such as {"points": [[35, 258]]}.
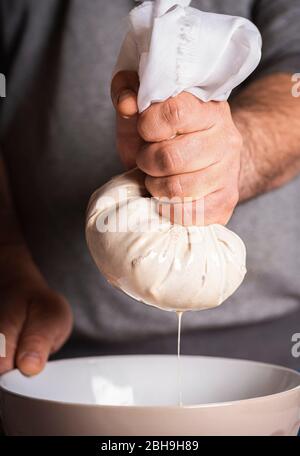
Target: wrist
{"points": [[251, 182]]}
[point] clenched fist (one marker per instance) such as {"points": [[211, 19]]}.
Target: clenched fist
{"points": [[186, 147]]}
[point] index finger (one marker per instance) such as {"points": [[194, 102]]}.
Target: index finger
{"points": [[178, 115], [12, 317]]}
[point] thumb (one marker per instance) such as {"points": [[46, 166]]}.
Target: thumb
{"points": [[124, 88], [47, 326]]}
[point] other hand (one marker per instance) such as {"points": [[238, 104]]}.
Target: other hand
{"points": [[34, 319]]}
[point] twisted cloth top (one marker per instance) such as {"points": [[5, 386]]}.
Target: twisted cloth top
{"points": [[174, 47]]}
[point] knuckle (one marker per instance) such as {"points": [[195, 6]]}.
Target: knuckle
{"points": [[165, 158], [173, 187], [172, 110]]}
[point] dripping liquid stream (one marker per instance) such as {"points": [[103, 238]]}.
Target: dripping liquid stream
{"points": [[179, 370]]}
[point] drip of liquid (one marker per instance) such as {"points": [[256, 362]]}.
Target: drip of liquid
{"points": [[179, 372]]}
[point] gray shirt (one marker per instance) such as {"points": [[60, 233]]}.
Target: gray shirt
{"points": [[58, 142]]}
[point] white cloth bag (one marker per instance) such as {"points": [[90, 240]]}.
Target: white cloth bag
{"points": [[173, 48]]}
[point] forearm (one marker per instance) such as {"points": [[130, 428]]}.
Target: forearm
{"points": [[268, 117], [35, 319]]}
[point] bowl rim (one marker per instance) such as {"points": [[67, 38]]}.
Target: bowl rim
{"points": [[6, 391]]}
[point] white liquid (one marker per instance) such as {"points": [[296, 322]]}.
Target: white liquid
{"points": [[179, 371]]}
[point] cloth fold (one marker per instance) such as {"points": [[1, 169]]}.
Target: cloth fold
{"points": [[176, 48]]}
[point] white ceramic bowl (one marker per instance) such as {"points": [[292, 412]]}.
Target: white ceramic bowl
{"points": [[138, 395]]}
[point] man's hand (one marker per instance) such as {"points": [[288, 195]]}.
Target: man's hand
{"points": [[34, 319], [186, 147]]}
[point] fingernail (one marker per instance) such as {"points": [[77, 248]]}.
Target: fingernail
{"points": [[125, 94]]}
